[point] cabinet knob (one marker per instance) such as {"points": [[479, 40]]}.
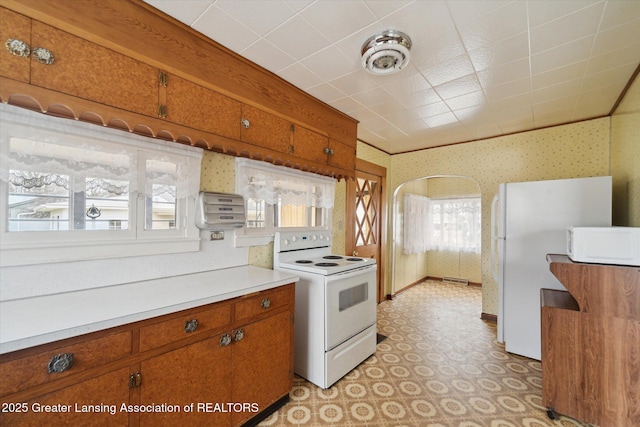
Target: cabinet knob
{"points": [[225, 340], [43, 56], [18, 47], [245, 123], [60, 363], [238, 335], [265, 303], [191, 325]]}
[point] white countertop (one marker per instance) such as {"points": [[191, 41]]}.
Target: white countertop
{"points": [[33, 321]]}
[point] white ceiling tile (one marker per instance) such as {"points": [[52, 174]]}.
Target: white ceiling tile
{"points": [[331, 63], [618, 75], [449, 71], [568, 28], [617, 37], [421, 20], [364, 115], [499, 107], [436, 50], [269, 56], [373, 96], [421, 98], [619, 12], [389, 107], [504, 73], [612, 59], [508, 90], [559, 75], [560, 90], [501, 52], [457, 87], [355, 82], [224, 29], [314, 40], [544, 11], [261, 16], [465, 101], [299, 5], [441, 120], [501, 23], [351, 46], [186, 11], [347, 105], [325, 92], [469, 10], [382, 8], [337, 19], [300, 76], [412, 83], [431, 110], [569, 53]]}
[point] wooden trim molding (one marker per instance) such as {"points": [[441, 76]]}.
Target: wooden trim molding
{"points": [[489, 317]]}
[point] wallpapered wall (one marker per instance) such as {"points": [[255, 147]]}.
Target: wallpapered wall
{"points": [[574, 150], [625, 158]]}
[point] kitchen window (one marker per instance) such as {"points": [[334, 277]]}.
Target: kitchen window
{"points": [[279, 198], [72, 190]]}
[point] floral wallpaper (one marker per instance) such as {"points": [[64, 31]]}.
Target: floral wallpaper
{"points": [[625, 158]]}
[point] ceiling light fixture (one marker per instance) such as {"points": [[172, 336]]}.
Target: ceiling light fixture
{"points": [[386, 53]]}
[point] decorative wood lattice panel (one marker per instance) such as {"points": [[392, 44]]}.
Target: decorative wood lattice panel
{"points": [[367, 212]]}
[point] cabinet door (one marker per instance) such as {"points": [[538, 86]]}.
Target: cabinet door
{"points": [[198, 373], [200, 108], [310, 145], [262, 363], [17, 27], [94, 402], [266, 130], [92, 72], [343, 156]]}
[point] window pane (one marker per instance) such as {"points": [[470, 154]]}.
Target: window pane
{"points": [[106, 200], [291, 216], [38, 201], [255, 213], [160, 212]]}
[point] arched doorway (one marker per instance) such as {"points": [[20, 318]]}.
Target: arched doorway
{"points": [[408, 269]]}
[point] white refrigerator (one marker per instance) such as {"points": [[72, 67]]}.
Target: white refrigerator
{"points": [[529, 221]]}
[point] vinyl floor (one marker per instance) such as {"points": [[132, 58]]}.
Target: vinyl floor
{"points": [[440, 365]]}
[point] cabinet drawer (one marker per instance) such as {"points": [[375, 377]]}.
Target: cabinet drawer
{"points": [[185, 325], [265, 302], [21, 374]]}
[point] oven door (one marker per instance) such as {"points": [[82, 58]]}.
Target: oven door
{"points": [[350, 304]]}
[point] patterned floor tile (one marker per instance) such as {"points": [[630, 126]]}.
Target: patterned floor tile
{"points": [[440, 366]]}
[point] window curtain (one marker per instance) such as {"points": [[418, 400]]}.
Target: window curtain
{"points": [[415, 226], [277, 184], [38, 149], [454, 225]]}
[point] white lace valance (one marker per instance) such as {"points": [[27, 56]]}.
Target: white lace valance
{"points": [[277, 184], [38, 149]]}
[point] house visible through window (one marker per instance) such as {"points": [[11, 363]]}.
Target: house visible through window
{"points": [[65, 183], [279, 197]]}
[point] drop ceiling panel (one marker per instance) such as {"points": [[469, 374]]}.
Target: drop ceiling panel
{"points": [[478, 68]]}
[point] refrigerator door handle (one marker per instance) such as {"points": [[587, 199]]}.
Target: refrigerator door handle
{"points": [[494, 238]]}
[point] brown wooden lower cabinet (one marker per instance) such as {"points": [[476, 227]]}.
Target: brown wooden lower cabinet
{"points": [[591, 343], [225, 374]]}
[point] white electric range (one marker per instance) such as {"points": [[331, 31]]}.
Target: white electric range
{"points": [[335, 309]]}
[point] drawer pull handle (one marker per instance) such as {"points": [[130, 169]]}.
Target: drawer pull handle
{"points": [[245, 123], [238, 335], [60, 363], [18, 47], [43, 56], [191, 325], [266, 303], [225, 340]]}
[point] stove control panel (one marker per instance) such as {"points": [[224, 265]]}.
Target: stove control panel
{"points": [[295, 240]]}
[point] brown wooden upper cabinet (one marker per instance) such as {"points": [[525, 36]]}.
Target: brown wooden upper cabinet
{"points": [[200, 108], [257, 127], [68, 64]]}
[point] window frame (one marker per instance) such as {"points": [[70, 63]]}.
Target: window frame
{"points": [[47, 246]]}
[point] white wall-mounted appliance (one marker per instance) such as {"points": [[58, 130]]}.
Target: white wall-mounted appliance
{"points": [[604, 245], [529, 221], [335, 308]]}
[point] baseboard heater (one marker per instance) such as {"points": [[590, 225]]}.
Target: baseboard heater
{"points": [[455, 281]]}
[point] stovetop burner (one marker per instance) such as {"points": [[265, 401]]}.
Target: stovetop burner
{"points": [[303, 261], [332, 257], [326, 264], [355, 259]]}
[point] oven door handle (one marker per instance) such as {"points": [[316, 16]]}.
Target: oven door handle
{"points": [[349, 274]]}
